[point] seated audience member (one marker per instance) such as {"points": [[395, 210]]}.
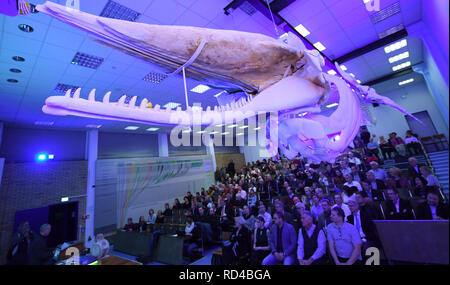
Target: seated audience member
{"points": [[316, 208], [130, 226], [283, 243], [397, 143], [191, 238], [226, 215], [323, 179], [366, 204], [372, 148], [358, 176], [167, 211], [325, 218], [349, 181], [386, 148], [343, 240], [104, 245], [397, 180], [266, 216], [413, 145], [202, 216], [348, 193], [373, 194], [248, 218], [371, 157], [252, 198], [375, 184], [379, 173], [307, 198], [311, 242], [151, 216], [345, 169], [239, 245], [414, 169], [433, 208], [420, 188], [187, 203], [363, 221], [261, 247], [279, 207], [396, 208], [428, 175], [159, 217], [338, 179], [141, 226], [39, 253], [18, 252], [177, 205], [340, 204]]}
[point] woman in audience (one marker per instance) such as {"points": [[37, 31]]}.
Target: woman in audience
{"points": [[349, 182], [177, 205], [130, 226], [187, 204], [248, 218], [338, 179], [261, 246], [316, 208], [398, 143], [420, 187], [191, 238], [413, 145], [428, 175], [344, 240], [397, 180], [238, 247], [386, 148], [141, 225], [151, 216]]}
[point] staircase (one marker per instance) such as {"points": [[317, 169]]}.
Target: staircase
{"points": [[440, 162], [402, 163]]}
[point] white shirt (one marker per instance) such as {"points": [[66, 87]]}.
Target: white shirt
{"points": [[344, 208], [411, 139], [433, 211], [354, 160], [357, 222], [354, 183], [321, 244]]}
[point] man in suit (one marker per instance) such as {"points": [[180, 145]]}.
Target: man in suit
{"points": [[279, 207], [325, 218], [396, 208], [363, 221], [283, 242], [376, 184], [414, 169], [433, 209]]}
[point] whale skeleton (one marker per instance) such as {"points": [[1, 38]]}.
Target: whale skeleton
{"points": [[277, 77]]}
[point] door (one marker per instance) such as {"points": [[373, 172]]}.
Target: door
{"points": [[64, 219], [425, 130]]}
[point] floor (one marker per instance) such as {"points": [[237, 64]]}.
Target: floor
{"points": [[206, 260]]}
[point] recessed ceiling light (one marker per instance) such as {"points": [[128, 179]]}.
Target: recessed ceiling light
{"points": [[93, 126], [26, 28], [359, 81], [225, 133], [155, 77], [395, 46], [331, 72], [385, 13], [243, 127], [332, 105], [117, 11], [232, 126], [15, 70], [213, 133], [200, 88], [171, 105], [401, 66], [240, 134], [62, 88], [218, 94], [201, 132], [131, 128], [319, 46], [343, 67], [221, 125], [302, 30], [44, 123], [398, 57], [351, 74], [152, 129], [12, 80], [406, 81], [18, 58], [258, 128]]}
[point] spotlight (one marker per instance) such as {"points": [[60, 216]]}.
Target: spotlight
{"points": [[51, 156], [41, 157]]}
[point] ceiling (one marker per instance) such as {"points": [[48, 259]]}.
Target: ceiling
{"points": [[341, 25]]}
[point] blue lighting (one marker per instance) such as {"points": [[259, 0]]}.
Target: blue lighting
{"points": [[42, 157], [51, 156]]}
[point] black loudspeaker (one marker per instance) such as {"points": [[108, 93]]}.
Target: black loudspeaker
{"points": [[375, 105]]}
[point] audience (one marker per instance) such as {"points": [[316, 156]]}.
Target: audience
{"points": [[433, 208], [261, 247], [396, 208]]}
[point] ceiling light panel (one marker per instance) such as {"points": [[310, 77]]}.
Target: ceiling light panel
{"points": [[117, 11], [155, 77], [401, 66], [171, 105], [385, 13], [200, 88], [62, 88], [87, 60], [395, 46], [399, 57]]}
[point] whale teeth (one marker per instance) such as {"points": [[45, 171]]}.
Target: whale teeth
{"points": [[157, 107], [144, 103], [68, 93], [122, 100], [208, 109], [178, 109], [76, 95], [132, 103], [91, 96], [216, 109], [106, 97]]}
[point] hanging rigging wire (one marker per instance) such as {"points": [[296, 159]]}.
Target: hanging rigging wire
{"points": [[273, 20]]}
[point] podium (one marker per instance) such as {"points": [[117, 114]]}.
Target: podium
{"points": [[416, 241]]}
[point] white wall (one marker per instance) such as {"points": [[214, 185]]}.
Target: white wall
{"points": [[417, 99]]}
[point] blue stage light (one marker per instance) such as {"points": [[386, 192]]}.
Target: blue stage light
{"points": [[51, 156], [42, 157]]}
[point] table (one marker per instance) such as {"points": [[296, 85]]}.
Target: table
{"points": [[116, 260]]}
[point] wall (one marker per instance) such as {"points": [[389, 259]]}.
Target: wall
{"points": [[120, 145], [33, 185], [22, 144], [417, 99]]}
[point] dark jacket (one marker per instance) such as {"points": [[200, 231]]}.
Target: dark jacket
{"points": [[367, 225], [288, 239], [324, 220], [404, 214], [242, 241], [39, 253], [424, 211], [412, 173]]}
